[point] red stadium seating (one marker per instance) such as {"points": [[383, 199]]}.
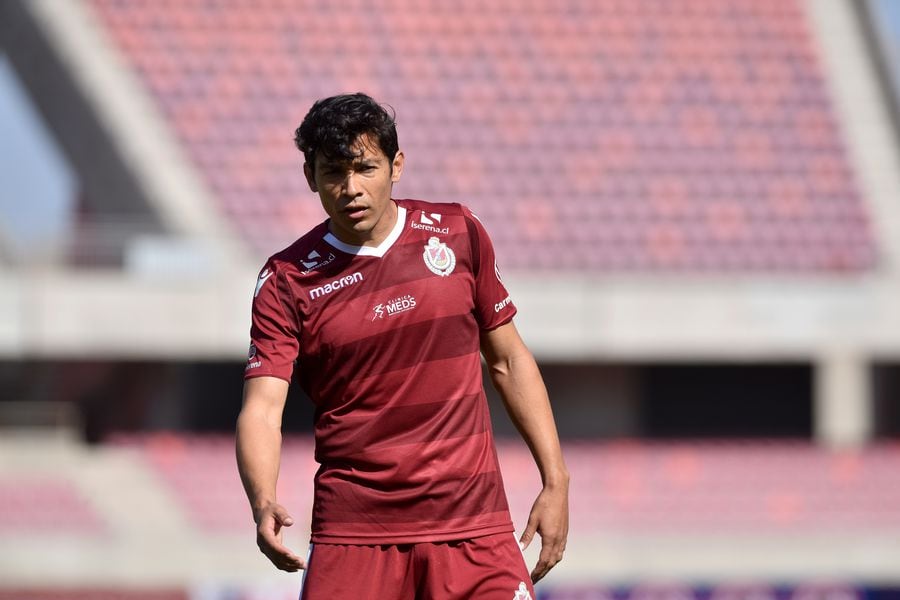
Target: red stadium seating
{"points": [[73, 593], [590, 136], [201, 474], [45, 505], [725, 486], [683, 487]]}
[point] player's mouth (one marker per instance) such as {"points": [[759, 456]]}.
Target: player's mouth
{"points": [[355, 212]]}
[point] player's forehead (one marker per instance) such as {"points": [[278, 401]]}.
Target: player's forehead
{"points": [[365, 150]]}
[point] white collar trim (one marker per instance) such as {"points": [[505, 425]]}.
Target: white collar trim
{"points": [[381, 249]]}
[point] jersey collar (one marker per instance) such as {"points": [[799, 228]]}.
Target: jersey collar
{"points": [[381, 249]]}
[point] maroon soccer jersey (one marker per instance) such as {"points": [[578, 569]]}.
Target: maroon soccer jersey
{"points": [[386, 343]]}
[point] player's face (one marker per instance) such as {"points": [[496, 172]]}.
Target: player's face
{"points": [[356, 194]]}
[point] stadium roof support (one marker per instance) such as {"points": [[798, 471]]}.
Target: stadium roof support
{"points": [[106, 184], [141, 137], [844, 411]]}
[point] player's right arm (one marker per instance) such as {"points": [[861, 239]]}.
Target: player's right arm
{"points": [[258, 446]]}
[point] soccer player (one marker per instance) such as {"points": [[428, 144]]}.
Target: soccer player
{"points": [[385, 309]]}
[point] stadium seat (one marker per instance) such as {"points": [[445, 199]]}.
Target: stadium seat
{"points": [[678, 487], [601, 107]]}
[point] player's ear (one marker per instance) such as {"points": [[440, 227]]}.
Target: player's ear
{"points": [[310, 178], [397, 166]]}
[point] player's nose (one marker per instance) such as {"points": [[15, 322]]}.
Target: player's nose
{"points": [[350, 185]]}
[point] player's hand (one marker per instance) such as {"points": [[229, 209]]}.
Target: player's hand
{"points": [[549, 518], [269, 523]]}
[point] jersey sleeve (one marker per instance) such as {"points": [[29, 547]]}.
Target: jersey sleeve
{"points": [[493, 306], [274, 329]]}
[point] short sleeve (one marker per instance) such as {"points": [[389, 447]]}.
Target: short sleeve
{"points": [[493, 305], [274, 330]]}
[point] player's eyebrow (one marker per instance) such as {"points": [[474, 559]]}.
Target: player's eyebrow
{"points": [[333, 164], [359, 162]]}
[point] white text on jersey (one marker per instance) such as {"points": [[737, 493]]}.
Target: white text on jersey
{"points": [[335, 285], [392, 307], [427, 223]]}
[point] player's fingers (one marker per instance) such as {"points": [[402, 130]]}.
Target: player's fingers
{"points": [[540, 570], [281, 556], [290, 564], [287, 565], [553, 547], [270, 544], [551, 555], [528, 534], [282, 516], [268, 530]]}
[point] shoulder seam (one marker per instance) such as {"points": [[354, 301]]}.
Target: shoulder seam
{"points": [[474, 246], [293, 301]]}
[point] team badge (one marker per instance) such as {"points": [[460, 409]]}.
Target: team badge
{"points": [[439, 259], [252, 364]]}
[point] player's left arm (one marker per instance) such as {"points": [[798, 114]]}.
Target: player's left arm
{"points": [[516, 377]]}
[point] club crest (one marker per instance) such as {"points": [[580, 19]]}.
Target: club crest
{"points": [[439, 259]]}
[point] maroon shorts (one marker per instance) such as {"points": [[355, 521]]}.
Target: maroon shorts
{"points": [[487, 568]]}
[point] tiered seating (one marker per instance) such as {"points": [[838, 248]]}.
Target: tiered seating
{"points": [[688, 488], [201, 472], [723, 591], [590, 136], [73, 593], [38, 505], [724, 487]]}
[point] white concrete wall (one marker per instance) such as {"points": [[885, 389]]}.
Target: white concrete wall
{"points": [[109, 314]]}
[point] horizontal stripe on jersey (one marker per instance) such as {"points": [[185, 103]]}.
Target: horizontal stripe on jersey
{"points": [[386, 344]]}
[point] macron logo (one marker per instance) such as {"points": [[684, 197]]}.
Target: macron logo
{"points": [[337, 284]]}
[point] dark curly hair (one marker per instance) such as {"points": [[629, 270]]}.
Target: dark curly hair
{"points": [[333, 124]]}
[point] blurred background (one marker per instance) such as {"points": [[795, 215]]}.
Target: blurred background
{"points": [[695, 205]]}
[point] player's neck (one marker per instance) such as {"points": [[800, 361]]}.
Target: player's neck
{"points": [[373, 237]]}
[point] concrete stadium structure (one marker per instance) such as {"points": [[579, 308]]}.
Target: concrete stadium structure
{"points": [[183, 292]]}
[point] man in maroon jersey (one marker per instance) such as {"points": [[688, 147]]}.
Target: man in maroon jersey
{"points": [[385, 309]]}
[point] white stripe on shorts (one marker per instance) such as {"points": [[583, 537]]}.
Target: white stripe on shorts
{"points": [[306, 570]]}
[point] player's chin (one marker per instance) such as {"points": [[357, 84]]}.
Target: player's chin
{"points": [[361, 226]]}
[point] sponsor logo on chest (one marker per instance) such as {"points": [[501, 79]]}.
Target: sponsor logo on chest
{"points": [[393, 307], [314, 260], [332, 286], [430, 222]]}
